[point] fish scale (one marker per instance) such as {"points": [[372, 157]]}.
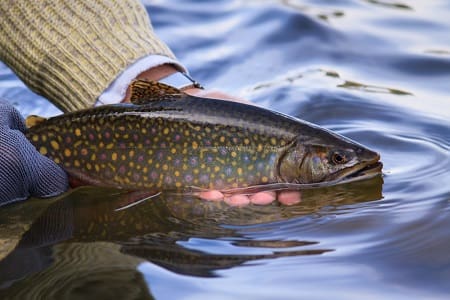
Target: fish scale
{"points": [[167, 140]]}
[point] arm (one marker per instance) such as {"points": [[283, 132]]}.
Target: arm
{"points": [[71, 51]]}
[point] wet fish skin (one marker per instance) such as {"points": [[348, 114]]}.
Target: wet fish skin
{"points": [[169, 140]]}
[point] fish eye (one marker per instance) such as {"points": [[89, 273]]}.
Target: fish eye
{"points": [[338, 158]]}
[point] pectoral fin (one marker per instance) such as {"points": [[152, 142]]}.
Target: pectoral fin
{"points": [[134, 198]]}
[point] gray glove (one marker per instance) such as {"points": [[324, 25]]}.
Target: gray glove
{"points": [[24, 171]]}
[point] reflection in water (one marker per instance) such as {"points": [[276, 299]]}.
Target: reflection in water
{"points": [[96, 245]]}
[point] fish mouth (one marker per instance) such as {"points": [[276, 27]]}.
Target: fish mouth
{"points": [[365, 171], [361, 171]]}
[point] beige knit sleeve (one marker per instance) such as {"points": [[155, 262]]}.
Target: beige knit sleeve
{"points": [[69, 51]]}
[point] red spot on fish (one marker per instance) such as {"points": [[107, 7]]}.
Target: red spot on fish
{"points": [[83, 151], [122, 170], [107, 135], [103, 156], [68, 139], [91, 136]]}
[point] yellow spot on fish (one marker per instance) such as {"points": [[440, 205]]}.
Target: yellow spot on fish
{"points": [[273, 141], [114, 156], [246, 141], [150, 161], [177, 173], [166, 130], [178, 184], [233, 154], [165, 167], [239, 171], [54, 144], [88, 166], [264, 179], [93, 157], [173, 150], [43, 150], [76, 163], [216, 169], [77, 131], [97, 167], [110, 146], [57, 160], [194, 145], [222, 139], [35, 138], [67, 152]]}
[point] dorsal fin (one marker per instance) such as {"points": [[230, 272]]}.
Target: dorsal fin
{"points": [[143, 91], [33, 120]]}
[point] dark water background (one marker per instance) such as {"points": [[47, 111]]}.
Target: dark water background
{"points": [[375, 71]]}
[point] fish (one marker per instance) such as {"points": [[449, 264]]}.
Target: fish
{"points": [[167, 140]]}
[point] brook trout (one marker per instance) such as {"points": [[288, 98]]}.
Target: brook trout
{"points": [[168, 140]]}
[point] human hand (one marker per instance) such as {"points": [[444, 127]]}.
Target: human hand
{"points": [[260, 198], [24, 171]]}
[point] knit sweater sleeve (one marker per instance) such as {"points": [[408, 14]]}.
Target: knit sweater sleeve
{"points": [[69, 51]]}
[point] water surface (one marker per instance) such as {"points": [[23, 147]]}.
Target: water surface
{"points": [[375, 71]]}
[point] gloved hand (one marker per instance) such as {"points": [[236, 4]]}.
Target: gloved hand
{"points": [[24, 171]]}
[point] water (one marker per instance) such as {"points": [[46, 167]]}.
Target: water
{"points": [[375, 71]]}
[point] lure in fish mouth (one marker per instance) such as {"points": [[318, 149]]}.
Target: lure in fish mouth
{"points": [[167, 140]]}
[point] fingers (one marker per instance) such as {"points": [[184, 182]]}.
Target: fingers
{"points": [[261, 198], [24, 171], [289, 197]]}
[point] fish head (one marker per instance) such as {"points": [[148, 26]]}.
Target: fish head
{"points": [[327, 157]]}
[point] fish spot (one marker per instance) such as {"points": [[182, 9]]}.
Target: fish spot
{"points": [[77, 132], [67, 152], [43, 150], [54, 144], [114, 156]]}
